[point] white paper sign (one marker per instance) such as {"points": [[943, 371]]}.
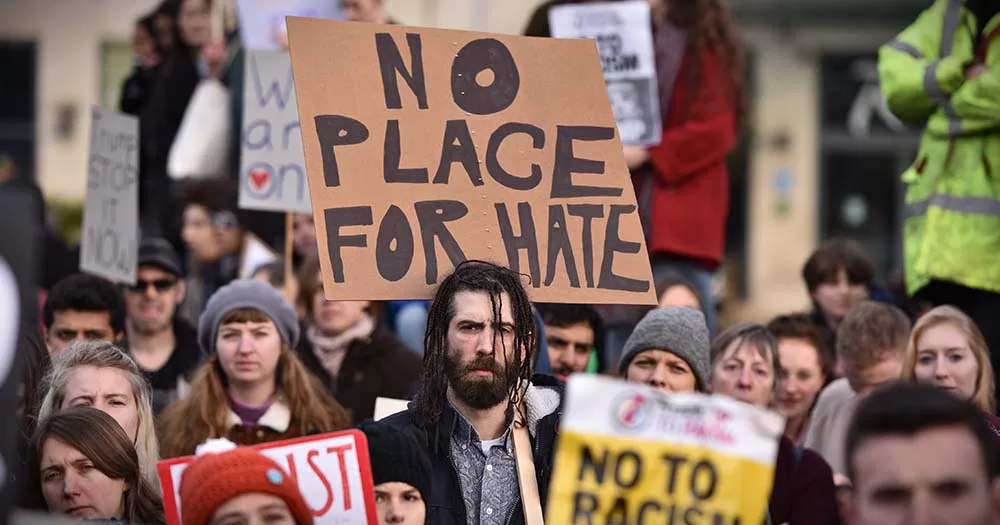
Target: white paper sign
{"points": [[262, 22], [333, 472], [387, 406], [109, 243], [624, 36], [272, 162]]}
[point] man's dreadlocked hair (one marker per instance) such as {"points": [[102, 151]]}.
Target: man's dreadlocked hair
{"points": [[475, 276]]}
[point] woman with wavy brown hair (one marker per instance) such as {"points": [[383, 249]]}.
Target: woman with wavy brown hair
{"points": [[82, 463], [253, 389]]}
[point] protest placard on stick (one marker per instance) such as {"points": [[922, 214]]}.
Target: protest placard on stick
{"points": [[109, 243], [428, 147], [628, 453], [333, 472], [624, 35], [272, 167]]}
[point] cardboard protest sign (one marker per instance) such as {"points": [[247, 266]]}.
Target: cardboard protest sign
{"points": [[624, 35], [332, 470], [262, 22], [630, 454], [272, 167], [109, 243], [428, 147]]}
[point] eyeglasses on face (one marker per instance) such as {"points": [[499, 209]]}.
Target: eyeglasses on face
{"points": [[161, 285]]}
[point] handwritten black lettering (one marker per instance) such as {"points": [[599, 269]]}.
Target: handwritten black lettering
{"points": [[394, 245], [613, 244], [527, 240], [474, 58], [391, 153], [457, 146], [432, 217], [567, 163], [337, 218], [559, 245], [391, 62], [498, 172], [587, 213], [333, 131]]}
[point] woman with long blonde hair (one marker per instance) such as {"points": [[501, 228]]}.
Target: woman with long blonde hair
{"points": [[946, 349], [253, 389], [102, 375]]}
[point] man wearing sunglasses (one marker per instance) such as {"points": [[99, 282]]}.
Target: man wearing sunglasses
{"points": [[164, 345]]}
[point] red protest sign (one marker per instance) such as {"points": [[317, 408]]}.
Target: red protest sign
{"points": [[332, 470]]}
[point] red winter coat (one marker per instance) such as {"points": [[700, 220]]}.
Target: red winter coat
{"points": [[690, 198]]}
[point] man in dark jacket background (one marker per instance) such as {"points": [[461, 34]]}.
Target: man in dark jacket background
{"points": [[164, 345], [478, 393]]}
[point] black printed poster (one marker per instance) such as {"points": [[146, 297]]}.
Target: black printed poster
{"points": [[624, 37]]}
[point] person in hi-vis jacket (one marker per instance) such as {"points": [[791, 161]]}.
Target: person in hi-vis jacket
{"points": [[943, 72]]}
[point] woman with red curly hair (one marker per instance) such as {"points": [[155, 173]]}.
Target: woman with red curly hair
{"points": [[682, 184]]}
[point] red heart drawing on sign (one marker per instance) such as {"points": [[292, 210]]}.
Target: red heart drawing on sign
{"points": [[259, 178]]}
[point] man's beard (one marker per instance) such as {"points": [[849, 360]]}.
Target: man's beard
{"points": [[563, 371], [476, 392]]}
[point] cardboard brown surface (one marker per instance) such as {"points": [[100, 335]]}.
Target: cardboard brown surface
{"points": [[536, 149]]}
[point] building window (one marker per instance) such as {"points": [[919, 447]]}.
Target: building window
{"points": [[116, 65], [864, 151]]}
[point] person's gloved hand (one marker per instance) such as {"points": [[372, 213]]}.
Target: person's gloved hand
{"points": [[976, 70]]}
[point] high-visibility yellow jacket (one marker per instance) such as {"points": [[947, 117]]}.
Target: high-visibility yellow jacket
{"points": [[951, 230]]}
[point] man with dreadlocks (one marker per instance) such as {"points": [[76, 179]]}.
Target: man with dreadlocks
{"points": [[477, 392]]}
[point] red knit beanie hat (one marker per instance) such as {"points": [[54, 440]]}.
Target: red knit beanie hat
{"points": [[215, 478]]}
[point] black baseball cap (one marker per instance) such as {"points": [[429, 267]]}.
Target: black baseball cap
{"points": [[159, 253]]}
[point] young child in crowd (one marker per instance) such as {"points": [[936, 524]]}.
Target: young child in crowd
{"points": [[227, 485]]}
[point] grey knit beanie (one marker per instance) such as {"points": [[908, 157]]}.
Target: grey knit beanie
{"points": [[247, 293], [680, 331]]}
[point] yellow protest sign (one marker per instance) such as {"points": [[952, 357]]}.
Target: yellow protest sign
{"points": [[630, 454]]}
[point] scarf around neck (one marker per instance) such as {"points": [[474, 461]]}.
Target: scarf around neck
{"points": [[331, 350]]}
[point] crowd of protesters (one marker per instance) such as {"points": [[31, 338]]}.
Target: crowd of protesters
{"points": [[890, 403]]}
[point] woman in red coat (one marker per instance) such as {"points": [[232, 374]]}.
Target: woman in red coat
{"points": [[682, 184]]}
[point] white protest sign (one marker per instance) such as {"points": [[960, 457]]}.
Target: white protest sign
{"points": [[624, 36], [333, 472], [272, 163], [628, 453], [387, 406], [262, 22], [109, 243]]}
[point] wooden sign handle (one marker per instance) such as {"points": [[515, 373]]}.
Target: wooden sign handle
{"points": [[289, 227], [530, 500]]}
